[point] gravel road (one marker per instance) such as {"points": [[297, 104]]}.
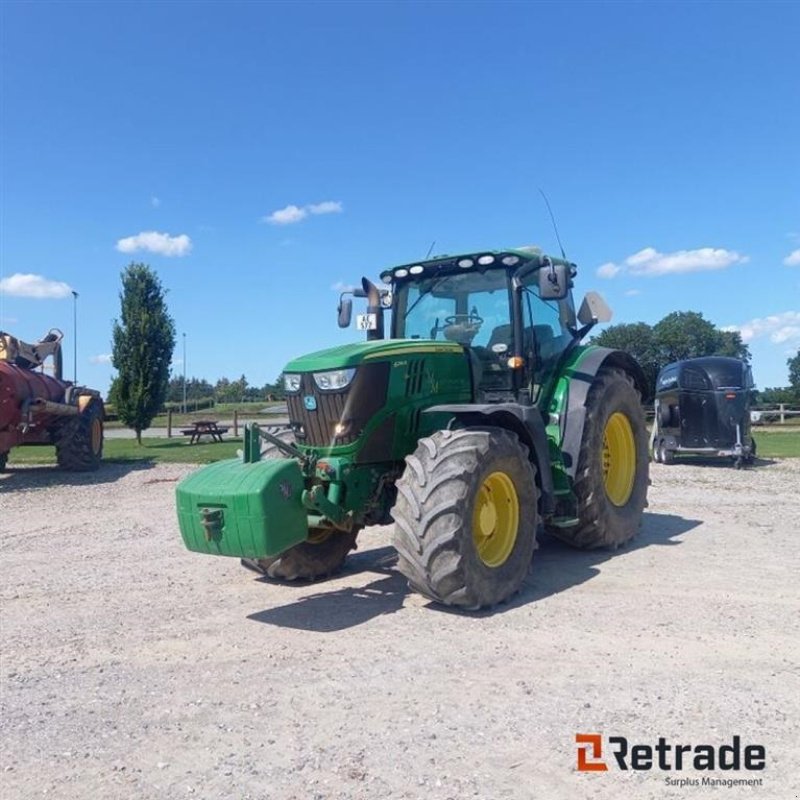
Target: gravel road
{"points": [[134, 669]]}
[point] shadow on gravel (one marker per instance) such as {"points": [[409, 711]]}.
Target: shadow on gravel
{"points": [[558, 567], [718, 463], [18, 478], [327, 612]]}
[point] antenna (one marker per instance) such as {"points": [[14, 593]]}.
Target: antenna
{"points": [[553, 220], [430, 250]]}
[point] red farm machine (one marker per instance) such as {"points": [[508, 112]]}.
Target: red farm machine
{"points": [[41, 408]]}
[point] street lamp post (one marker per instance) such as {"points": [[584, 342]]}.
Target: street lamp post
{"points": [[184, 373], [74, 337]]}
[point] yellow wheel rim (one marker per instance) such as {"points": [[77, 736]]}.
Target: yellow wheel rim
{"points": [[97, 436], [619, 458], [495, 519]]}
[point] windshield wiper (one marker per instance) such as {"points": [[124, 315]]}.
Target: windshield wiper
{"points": [[423, 294]]}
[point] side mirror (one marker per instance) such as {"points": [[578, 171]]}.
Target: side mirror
{"points": [[594, 309], [554, 280], [345, 312]]}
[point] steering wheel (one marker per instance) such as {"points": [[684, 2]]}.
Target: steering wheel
{"points": [[462, 328], [464, 319]]}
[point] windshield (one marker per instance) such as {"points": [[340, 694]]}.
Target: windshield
{"points": [[465, 308]]}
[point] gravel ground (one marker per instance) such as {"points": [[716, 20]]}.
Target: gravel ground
{"points": [[134, 669]]}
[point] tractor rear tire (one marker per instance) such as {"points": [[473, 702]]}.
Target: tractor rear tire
{"points": [[613, 465], [466, 516], [79, 440], [307, 560]]}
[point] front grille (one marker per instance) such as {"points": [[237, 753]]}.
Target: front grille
{"points": [[352, 407]]}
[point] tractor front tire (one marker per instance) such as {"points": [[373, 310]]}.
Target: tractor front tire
{"points": [[79, 440], [466, 517], [323, 555], [613, 465], [320, 557]]}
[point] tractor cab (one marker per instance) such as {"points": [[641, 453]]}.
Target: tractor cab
{"points": [[492, 305]]}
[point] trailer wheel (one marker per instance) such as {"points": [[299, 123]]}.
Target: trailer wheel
{"points": [[667, 455], [657, 453], [79, 440], [613, 466], [466, 516], [322, 555]]}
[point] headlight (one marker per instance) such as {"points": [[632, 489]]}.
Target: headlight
{"points": [[292, 382], [334, 379]]}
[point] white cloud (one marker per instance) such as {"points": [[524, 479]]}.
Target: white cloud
{"points": [[286, 216], [36, 286], [154, 242], [607, 270], [632, 292], [650, 262], [155, 201], [784, 327], [103, 358], [793, 259], [341, 286], [292, 213], [326, 207]]}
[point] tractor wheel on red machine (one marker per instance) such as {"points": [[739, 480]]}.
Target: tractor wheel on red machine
{"points": [[79, 439], [613, 465], [466, 516]]}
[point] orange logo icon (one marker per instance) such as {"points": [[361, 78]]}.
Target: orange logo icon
{"points": [[590, 762]]}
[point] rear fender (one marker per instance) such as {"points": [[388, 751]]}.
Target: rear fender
{"points": [[581, 375]]}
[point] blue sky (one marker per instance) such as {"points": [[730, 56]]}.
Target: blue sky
{"points": [[667, 137]]}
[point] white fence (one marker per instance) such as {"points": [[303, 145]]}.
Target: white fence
{"points": [[763, 415]]}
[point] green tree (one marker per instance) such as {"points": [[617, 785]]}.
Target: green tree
{"points": [[143, 341], [794, 374], [636, 338], [687, 334]]}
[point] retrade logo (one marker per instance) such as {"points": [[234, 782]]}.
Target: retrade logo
{"points": [[590, 752], [667, 756]]}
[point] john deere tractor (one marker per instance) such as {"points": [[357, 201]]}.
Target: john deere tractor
{"points": [[479, 418]]}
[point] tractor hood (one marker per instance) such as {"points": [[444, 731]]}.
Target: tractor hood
{"points": [[351, 355]]}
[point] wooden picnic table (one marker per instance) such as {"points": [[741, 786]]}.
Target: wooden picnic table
{"points": [[204, 427]]}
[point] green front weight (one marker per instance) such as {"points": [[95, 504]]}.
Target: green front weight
{"points": [[244, 510]]}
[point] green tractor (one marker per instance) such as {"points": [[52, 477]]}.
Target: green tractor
{"points": [[479, 418]]}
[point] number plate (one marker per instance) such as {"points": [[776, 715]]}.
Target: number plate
{"points": [[367, 322]]}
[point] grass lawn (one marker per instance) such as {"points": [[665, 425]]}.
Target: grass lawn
{"points": [[771, 443], [159, 450]]}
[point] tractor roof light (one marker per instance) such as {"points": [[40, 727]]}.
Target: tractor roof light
{"points": [[484, 261], [386, 277], [466, 263], [417, 269], [510, 261], [401, 273]]}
